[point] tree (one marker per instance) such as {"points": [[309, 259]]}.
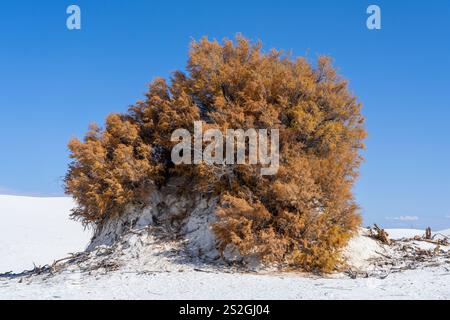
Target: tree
{"points": [[300, 216]]}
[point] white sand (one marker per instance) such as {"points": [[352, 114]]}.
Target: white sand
{"points": [[39, 230]]}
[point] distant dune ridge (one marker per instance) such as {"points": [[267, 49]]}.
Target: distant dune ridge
{"points": [[37, 230]]}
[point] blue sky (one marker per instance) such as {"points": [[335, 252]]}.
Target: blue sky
{"points": [[54, 82]]}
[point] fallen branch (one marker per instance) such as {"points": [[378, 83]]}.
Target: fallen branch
{"points": [[380, 234]]}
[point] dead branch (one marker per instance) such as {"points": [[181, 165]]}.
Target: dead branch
{"points": [[428, 233], [380, 234]]}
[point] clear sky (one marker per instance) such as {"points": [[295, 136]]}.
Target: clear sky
{"points": [[54, 82]]}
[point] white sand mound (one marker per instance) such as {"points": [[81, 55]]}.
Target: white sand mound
{"points": [[397, 234], [362, 251], [410, 250], [186, 216], [189, 219]]}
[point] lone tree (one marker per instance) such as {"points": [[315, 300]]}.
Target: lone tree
{"points": [[299, 217]]}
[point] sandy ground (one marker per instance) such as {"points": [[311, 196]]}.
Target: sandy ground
{"points": [[432, 283], [158, 271], [37, 230]]}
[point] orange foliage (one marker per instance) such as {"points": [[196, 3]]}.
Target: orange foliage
{"points": [[302, 215]]}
